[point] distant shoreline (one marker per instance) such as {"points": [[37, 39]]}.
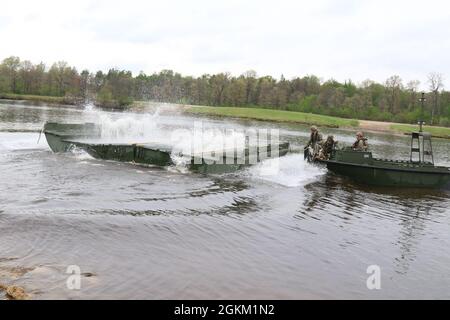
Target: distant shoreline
{"points": [[265, 114], [314, 119], [39, 99]]}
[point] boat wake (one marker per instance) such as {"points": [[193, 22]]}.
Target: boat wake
{"points": [[180, 163], [290, 171], [80, 154]]}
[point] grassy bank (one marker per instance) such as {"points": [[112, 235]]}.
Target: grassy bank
{"points": [[38, 99], [441, 132], [265, 115], [67, 100], [274, 115], [319, 120]]}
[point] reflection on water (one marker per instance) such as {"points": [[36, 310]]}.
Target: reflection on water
{"points": [[413, 209], [147, 232]]}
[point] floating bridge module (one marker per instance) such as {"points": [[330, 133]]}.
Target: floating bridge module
{"points": [[87, 136]]}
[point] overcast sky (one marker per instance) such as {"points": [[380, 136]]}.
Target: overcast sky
{"points": [[332, 39]]}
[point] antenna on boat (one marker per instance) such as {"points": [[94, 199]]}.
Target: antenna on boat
{"points": [[421, 121], [421, 141]]}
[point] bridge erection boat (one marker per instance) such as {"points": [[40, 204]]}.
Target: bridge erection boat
{"points": [[417, 172], [87, 136]]}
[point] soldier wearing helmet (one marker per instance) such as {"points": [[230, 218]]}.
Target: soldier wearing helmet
{"points": [[312, 147], [314, 138], [361, 142], [327, 148]]}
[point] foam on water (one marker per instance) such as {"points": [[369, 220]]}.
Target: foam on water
{"points": [[290, 171], [21, 141], [180, 163], [80, 154], [90, 107]]}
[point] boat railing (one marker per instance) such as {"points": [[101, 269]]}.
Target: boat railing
{"points": [[421, 147], [404, 162]]}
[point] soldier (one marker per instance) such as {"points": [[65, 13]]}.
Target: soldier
{"points": [[315, 137], [360, 143], [326, 148], [313, 143]]}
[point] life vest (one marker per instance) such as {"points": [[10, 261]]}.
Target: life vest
{"points": [[356, 144]]}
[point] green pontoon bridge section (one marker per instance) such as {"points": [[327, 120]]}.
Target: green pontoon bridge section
{"points": [[64, 137], [58, 135], [139, 153], [234, 160], [73, 129]]}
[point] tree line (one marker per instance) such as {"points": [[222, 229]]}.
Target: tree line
{"points": [[393, 100]]}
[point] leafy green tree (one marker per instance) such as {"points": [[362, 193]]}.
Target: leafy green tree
{"points": [[119, 88], [10, 71], [393, 88]]}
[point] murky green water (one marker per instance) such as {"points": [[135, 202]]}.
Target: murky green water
{"points": [[152, 233]]}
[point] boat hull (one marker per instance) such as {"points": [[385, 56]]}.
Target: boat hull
{"points": [[57, 143], [394, 177], [62, 137], [129, 153]]}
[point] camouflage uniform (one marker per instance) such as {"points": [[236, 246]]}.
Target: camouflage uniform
{"points": [[312, 147], [360, 145], [314, 139], [327, 148]]}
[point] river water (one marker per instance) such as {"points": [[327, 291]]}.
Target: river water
{"points": [[153, 233]]}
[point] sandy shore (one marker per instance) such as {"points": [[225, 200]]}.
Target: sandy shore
{"points": [[376, 125], [9, 291]]}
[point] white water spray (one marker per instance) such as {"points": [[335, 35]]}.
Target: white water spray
{"points": [[292, 171], [144, 128], [90, 107]]}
